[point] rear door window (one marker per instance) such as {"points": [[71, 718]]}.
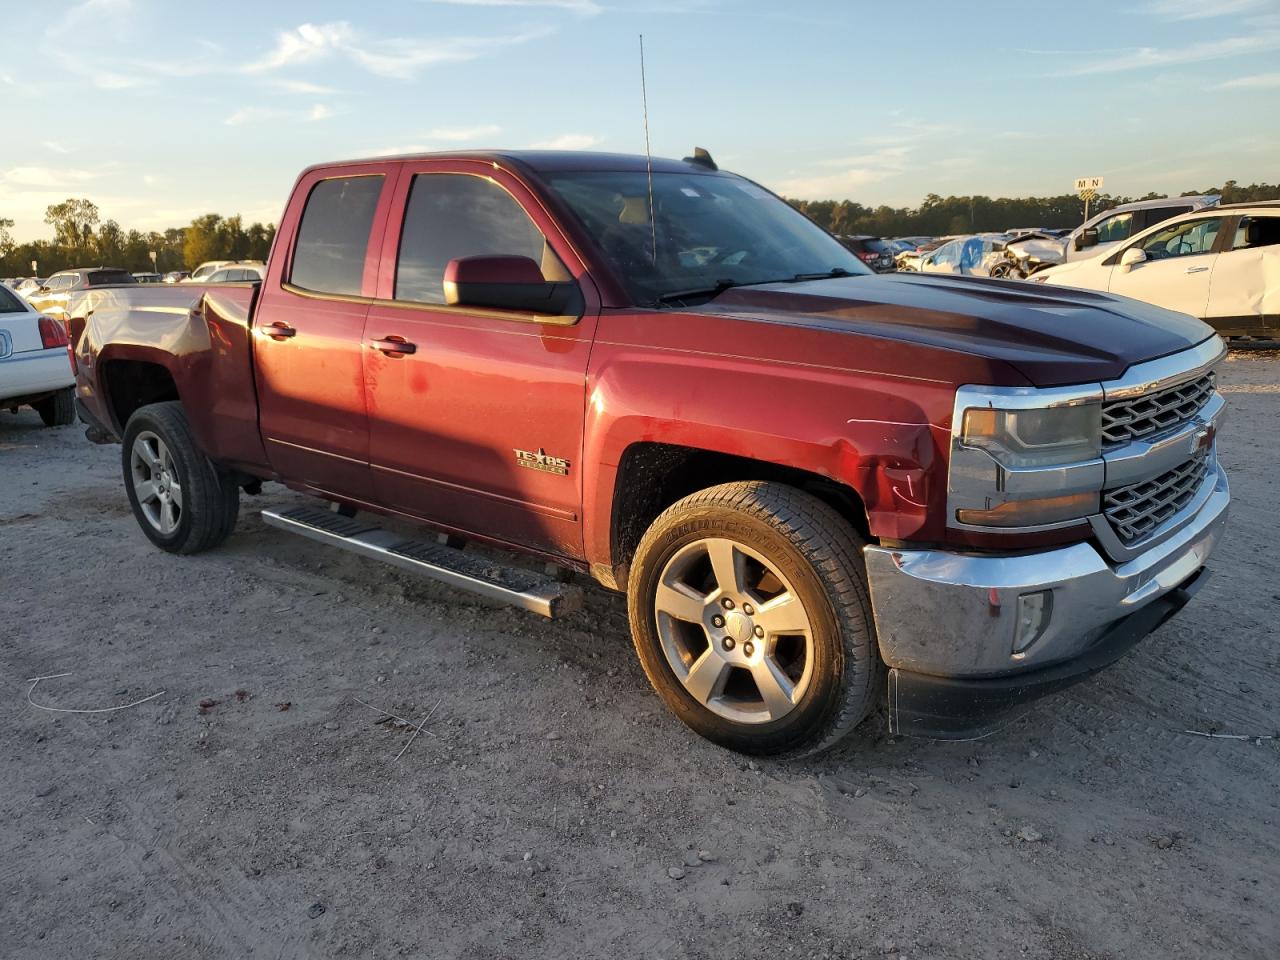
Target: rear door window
{"points": [[453, 215], [1160, 214], [98, 277], [333, 236], [1254, 232]]}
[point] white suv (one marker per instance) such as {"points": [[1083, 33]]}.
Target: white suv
{"points": [[1221, 264], [1113, 226]]}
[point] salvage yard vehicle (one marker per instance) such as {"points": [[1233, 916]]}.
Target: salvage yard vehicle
{"points": [[35, 369], [1220, 264], [815, 484], [52, 296], [1117, 224]]}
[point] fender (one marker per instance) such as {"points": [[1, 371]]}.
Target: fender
{"points": [[885, 435]]}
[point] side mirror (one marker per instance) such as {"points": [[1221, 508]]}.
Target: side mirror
{"points": [[1086, 238], [42, 289], [508, 283], [1132, 257]]}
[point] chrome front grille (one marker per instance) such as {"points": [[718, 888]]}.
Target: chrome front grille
{"points": [[1138, 418], [1138, 509]]}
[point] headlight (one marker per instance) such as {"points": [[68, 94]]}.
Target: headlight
{"points": [[1036, 438], [1025, 458]]}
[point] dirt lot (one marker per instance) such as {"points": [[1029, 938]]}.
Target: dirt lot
{"points": [[549, 800]]}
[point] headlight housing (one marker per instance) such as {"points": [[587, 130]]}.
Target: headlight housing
{"points": [[1036, 438], [1024, 458]]}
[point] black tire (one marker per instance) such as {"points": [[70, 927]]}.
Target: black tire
{"points": [[817, 551], [58, 410], [210, 500]]}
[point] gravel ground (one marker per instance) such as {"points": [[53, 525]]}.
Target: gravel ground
{"points": [[550, 807]]}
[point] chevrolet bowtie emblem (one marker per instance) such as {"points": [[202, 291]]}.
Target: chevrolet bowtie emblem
{"points": [[1202, 439]]}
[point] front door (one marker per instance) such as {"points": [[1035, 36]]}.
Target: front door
{"points": [[1178, 267], [308, 358], [479, 428]]}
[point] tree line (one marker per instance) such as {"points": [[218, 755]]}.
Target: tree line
{"points": [[81, 238], [941, 216]]}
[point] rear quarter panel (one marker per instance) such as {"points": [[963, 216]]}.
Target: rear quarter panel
{"points": [[200, 334]]}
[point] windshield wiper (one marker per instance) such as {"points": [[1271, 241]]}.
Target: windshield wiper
{"points": [[709, 292], [721, 286], [833, 272]]}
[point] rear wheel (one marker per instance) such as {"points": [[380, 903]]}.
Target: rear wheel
{"points": [[58, 410], [749, 612], [180, 500]]}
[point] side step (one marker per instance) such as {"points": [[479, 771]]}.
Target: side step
{"points": [[532, 591]]}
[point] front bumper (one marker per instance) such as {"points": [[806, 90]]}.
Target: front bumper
{"points": [[948, 622]]}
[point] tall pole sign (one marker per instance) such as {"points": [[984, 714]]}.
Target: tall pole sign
{"points": [[1088, 188]]}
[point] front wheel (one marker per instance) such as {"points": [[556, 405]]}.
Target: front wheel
{"points": [[180, 500], [749, 612]]}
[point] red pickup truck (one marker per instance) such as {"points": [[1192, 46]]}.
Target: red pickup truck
{"points": [[815, 485]]}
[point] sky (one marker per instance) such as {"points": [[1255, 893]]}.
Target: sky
{"points": [[160, 111]]}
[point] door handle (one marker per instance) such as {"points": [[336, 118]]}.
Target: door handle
{"points": [[279, 330], [394, 346], [1196, 269]]}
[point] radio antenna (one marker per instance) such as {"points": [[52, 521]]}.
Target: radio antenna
{"points": [[648, 156]]}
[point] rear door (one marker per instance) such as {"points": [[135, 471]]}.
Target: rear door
{"points": [[308, 359], [1244, 293], [480, 428], [1178, 268]]}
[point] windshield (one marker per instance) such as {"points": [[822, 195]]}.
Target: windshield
{"points": [[712, 231]]}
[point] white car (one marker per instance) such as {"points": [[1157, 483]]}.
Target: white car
{"points": [[206, 270], [35, 367], [236, 274], [1220, 264], [970, 256]]}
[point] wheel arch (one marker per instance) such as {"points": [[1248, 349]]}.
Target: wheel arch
{"points": [[652, 476]]}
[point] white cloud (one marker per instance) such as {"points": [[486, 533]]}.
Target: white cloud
{"points": [[587, 8], [566, 141], [1258, 81], [55, 146], [1201, 9], [828, 186], [46, 176], [396, 57], [1140, 58], [462, 134], [304, 87], [259, 114]]}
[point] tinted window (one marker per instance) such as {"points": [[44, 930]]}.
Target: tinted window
{"points": [[1161, 214], [1256, 232], [1182, 239], [454, 215], [98, 277], [9, 302], [334, 235]]}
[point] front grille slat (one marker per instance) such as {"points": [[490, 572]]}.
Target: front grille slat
{"points": [[1135, 511], [1155, 413]]}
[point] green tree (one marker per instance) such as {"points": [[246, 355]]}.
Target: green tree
{"points": [[73, 221]]}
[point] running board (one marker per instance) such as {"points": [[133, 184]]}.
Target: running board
{"points": [[527, 589]]}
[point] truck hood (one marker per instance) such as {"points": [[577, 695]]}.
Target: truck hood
{"points": [[1051, 335]]}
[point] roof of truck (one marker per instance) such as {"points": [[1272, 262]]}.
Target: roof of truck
{"points": [[543, 161]]}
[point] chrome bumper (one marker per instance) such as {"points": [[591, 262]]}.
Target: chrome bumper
{"points": [[949, 614]]}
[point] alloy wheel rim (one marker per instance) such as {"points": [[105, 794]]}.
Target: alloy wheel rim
{"points": [[734, 631], [155, 482]]}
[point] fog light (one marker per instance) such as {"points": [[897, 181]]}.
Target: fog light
{"points": [[1034, 611]]}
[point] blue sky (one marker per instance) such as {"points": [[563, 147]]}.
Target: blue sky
{"points": [[160, 111]]}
